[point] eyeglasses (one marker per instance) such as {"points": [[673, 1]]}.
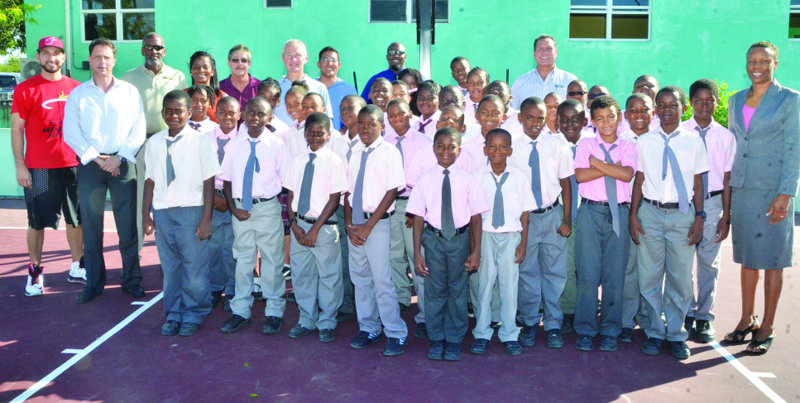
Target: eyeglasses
{"points": [[243, 60], [395, 52], [593, 96], [328, 60], [577, 93], [151, 48]]}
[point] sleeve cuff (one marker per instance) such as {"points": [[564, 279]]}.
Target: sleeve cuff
{"points": [[90, 155]]}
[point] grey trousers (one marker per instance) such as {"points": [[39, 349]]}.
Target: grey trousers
{"points": [[263, 231], [570, 295], [543, 273], [402, 258], [222, 266], [665, 270], [633, 305], [317, 277], [601, 258], [446, 286], [371, 273], [184, 261], [348, 294], [708, 262], [499, 272], [93, 185]]}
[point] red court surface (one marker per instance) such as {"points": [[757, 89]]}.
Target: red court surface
{"points": [[122, 357]]}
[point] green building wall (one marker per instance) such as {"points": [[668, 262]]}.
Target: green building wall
{"points": [[689, 39]]}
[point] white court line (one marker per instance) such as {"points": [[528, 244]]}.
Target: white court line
{"points": [[764, 374], [60, 229], [753, 377], [72, 351], [83, 353]]}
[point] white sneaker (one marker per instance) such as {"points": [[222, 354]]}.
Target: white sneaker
{"points": [[35, 285], [77, 274]]}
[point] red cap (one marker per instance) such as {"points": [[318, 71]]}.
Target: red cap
{"points": [[50, 41]]}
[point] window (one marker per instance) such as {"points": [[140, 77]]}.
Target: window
{"points": [[118, 20], [405, 11], [794, 19], [610, 19], [277, 3]]}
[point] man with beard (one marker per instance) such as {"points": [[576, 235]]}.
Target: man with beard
{"points": [[396, 56], [329, 65], [47, 171], [154, 79]]}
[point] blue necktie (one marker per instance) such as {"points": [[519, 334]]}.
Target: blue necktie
{"points": [[702, 133], [358, 202], [221, 148], [536, 180], [170, 167], [350, 147], [400, 148], [247, 182], [574, 185], [669, 155], [611, 192], [304, 203], [498, 212], [448, 225]]}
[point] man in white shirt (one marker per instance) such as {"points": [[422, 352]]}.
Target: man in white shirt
{"points": [[104, 124], [295, 57], [545, 78]]}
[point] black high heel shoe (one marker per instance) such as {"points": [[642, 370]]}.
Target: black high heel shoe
{"points": [[760, 347], [738, 336]]}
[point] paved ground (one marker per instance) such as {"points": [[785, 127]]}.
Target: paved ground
{"points": [[135, 363]]}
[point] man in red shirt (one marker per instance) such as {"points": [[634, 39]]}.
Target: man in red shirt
{"points": [[47, 169]]}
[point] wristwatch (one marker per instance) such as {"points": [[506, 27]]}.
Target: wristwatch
{"points": [[122, 159], [701, 214]]}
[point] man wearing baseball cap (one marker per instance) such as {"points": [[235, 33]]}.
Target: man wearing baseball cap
{"points": [[47, 168]]}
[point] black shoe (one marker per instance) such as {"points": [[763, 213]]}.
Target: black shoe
{"points": [[495, 326], [479, 346], [326, 335], [364, 339], [566, 324], [704, 331], [757, 347], [403, 308], [421, 331], [298, 332], [188, 329], [688, 324], [436, 350], [344, 316], [554, 338], [512, 348], [394, 346], [626, 335], [679, 350], [234, 323], [452, 351], [272, 325], [84, 297], [170, 328], [584, 343], [527, 337], [216, 297], [135, 291], [226, 304], [652, 346]]}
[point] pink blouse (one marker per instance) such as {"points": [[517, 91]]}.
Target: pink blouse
{"points": [[747, 112]]}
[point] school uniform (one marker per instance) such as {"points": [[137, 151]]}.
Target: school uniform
{"points": [[426, 160], [624, 125], [204, 126], [402, 237], [570, 294], [473, 146], [295, 138], [316, 271], [263, 231], [222, 266], [426, 126], [372, 171], [543, 273], [512, 123], [664, 252], [178, 166], [445, 254], [502, 232], [720, 146], [602, 237], [276, 127], [343, 147], [470, 111]]}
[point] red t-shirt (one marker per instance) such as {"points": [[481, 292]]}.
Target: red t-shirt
{"points": [[40, 102]]}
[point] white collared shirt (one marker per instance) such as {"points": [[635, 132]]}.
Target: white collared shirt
{"points": [[273, 160], [692, 159], [517, 198], [720, 149], [555, 163], [531, 84], [330, 176], [383, 172]]}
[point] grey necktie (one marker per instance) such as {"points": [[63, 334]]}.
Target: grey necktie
{"points": [[350, 147], [400, 148], [170, 167], [498, 212], [536, 180], [702, 133], [304, 203], [221, 148], [358, 191], [250, 169], [574, 185], [448, 225], [677, 177], [611, 191]]}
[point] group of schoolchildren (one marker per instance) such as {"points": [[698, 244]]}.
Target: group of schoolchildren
{"points": [[515, 216]]}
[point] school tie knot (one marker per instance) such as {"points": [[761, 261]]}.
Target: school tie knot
{"points": [[670, 159], [194, 125], [422, 125], [271, 127]]}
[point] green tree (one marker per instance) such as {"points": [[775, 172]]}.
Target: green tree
{"points": [[13, 15], [12, 66]]}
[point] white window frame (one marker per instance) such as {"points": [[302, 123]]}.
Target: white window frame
{"points": [[409, 14], [793, 9], [291, 5], [610, 10], [119, 11]]}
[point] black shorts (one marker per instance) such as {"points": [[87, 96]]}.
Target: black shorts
{"points": [[54, 191]]}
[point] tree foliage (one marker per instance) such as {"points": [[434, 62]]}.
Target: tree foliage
{"points": [[13, 15]]}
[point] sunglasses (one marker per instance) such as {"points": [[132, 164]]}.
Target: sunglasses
{"points": [[593, 96], [243, 60], [153, 48], [395, 52], [577, 93]]}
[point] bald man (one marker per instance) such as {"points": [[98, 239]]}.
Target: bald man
{"points": [[295, 57], [396, 56]]}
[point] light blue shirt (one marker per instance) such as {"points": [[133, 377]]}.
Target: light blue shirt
{"points": [[531, 84], [337, 92], [313, 86]]}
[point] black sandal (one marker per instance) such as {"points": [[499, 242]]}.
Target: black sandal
{"points": [[738, 336], [760, 347]]}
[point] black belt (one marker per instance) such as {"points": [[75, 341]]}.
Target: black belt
{"points": [[600, 203], [259, 200], [437, 232], [402, 197], [545, 209], [661, 205], [714, 193], [383, 217], [219, 193], [314, 220]]}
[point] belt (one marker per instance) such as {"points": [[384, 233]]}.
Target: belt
{"points": [[545, 209], [259, 200], [661, 205], [437, 232], [600, 203], [219, 193], [383, 217], [314, 220], [402, 197], [714, 193]]}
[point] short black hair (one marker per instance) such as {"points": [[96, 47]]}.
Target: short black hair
{"points": [[355, 99], [554, 95], [645, 77], [458, 59], [214, 77], [373, 110], [674, 89], [314, 94], [493, 98], [455, 108], [227, 99], [379, 80], [704, 83], [637, 95], [177, 95], [542, 37], [572, 103], [413, 73], [202, 88], [533, 101], [431, 86], [103, 42], [299, 87], [499, 132], [328, 49], [449, 132], [258, 100], [479, 70], [269, 82], [581, 83], [398, 101], [603, 101], [400, 82], [762, 44], [318, 118]]}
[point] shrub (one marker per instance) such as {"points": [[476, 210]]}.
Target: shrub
{"points": [[721, 113]]}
